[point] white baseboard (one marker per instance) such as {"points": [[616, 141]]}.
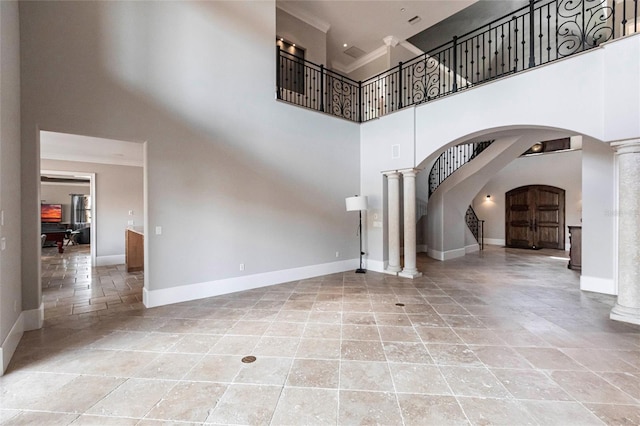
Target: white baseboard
{"points": [[472, 248], [495, 241], [422, 248], [27, 320], [33, 318], [446, 255], [184, 293], [376, 265], [10, 344], [116, 259], [598, 285]]}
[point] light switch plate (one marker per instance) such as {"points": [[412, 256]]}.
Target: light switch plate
{"points": [[158, 230], [3, 243]]}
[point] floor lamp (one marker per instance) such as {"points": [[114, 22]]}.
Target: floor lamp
{"points": [[359, 204]]}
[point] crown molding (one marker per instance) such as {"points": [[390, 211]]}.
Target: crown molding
{"points": [[305, 17], [391, 41]]}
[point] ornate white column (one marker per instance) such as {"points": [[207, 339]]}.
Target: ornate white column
{"points": [[627, 307], [409, 196], [393, 191]]}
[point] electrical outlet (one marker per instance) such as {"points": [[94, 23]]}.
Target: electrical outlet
{"points": [[242, 267], [158, 230], [130, 212]]}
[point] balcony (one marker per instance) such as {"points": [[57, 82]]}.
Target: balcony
{"points": [[540, 33]]}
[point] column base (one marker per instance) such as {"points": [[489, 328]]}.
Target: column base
{"points": [[410, 274], [624, 314], [391, 271]]}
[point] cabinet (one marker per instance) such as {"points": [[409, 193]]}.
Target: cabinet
{"points": [[134, 250], [575, 255]]}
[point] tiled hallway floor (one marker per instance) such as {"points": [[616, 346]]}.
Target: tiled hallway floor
{"points": [[502, 337]]}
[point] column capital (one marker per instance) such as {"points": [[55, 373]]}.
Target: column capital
{"points": [[409, 172], [626, 147], [393, 174]]}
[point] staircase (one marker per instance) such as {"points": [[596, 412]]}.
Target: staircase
{"points": [[446, 164]]}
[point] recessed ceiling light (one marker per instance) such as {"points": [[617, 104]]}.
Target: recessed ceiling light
{"points": [[403, 9], [294, 45], [344, 45], [281, 39]]}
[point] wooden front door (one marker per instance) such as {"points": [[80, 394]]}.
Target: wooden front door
{"points": [[535, 217]]}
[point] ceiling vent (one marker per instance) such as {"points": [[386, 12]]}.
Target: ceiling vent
{"points": [[355, 52], [414, 20]]}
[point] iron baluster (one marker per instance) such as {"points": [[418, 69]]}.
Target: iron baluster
{"points": [[278, 65], [400, 85], [532, 58], [322, 88]]}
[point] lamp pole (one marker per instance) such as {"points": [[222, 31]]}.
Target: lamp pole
{"points": [[360, 270]]}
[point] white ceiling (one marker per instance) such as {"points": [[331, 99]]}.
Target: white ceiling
{"points": [[365, 23], [63, 146]]}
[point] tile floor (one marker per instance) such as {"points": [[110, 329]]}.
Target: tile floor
{"points": [[501, 337]]}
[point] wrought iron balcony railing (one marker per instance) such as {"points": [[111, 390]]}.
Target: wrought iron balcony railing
{"points": [[542, 32]]}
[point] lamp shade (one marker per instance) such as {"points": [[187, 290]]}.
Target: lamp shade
{"points": [[356, 203]]}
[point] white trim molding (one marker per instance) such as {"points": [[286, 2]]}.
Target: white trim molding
{"points": [[446, 255], [184, 293], [472, 248], [116, 259], [27, 320], [598, 285], [495, 241], [376, 266]]}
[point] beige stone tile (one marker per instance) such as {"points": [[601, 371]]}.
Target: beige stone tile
{"points": [[628, 382], [358, 318], [407, 352], [306, 407], [549, 359], [171, 366], [479, 336], [357, 375], [585, 386], [530, 384], [362, 350], [488, 411], [319, 348], [134, 398], [247, 405], [438, 335], [418, 378], [188, 401], [421, 410], [249, 328], [500, 357], [360, 332], [628, 415], [600, 360], [293, 315], [285, 329], [195, 343], [36, 418], [235, 345], [216, 368], [155, 342], [561, 413], [314, 373], [475, 382], [265, 371], [398, 334], [453, 355], [277, 346], [325, 317], [322, 331], [368, 408]]}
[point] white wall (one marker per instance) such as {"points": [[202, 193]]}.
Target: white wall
{"points": [[56, 193], [118, 190], [303, 35], [233, 175], [11, 325], [562, 170], [598, 217]]}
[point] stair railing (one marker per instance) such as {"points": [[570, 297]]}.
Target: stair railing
{"points": [[452, 159], [476, 226]]}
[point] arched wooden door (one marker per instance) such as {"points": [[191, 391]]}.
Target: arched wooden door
{"points": [[535, 217]]}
